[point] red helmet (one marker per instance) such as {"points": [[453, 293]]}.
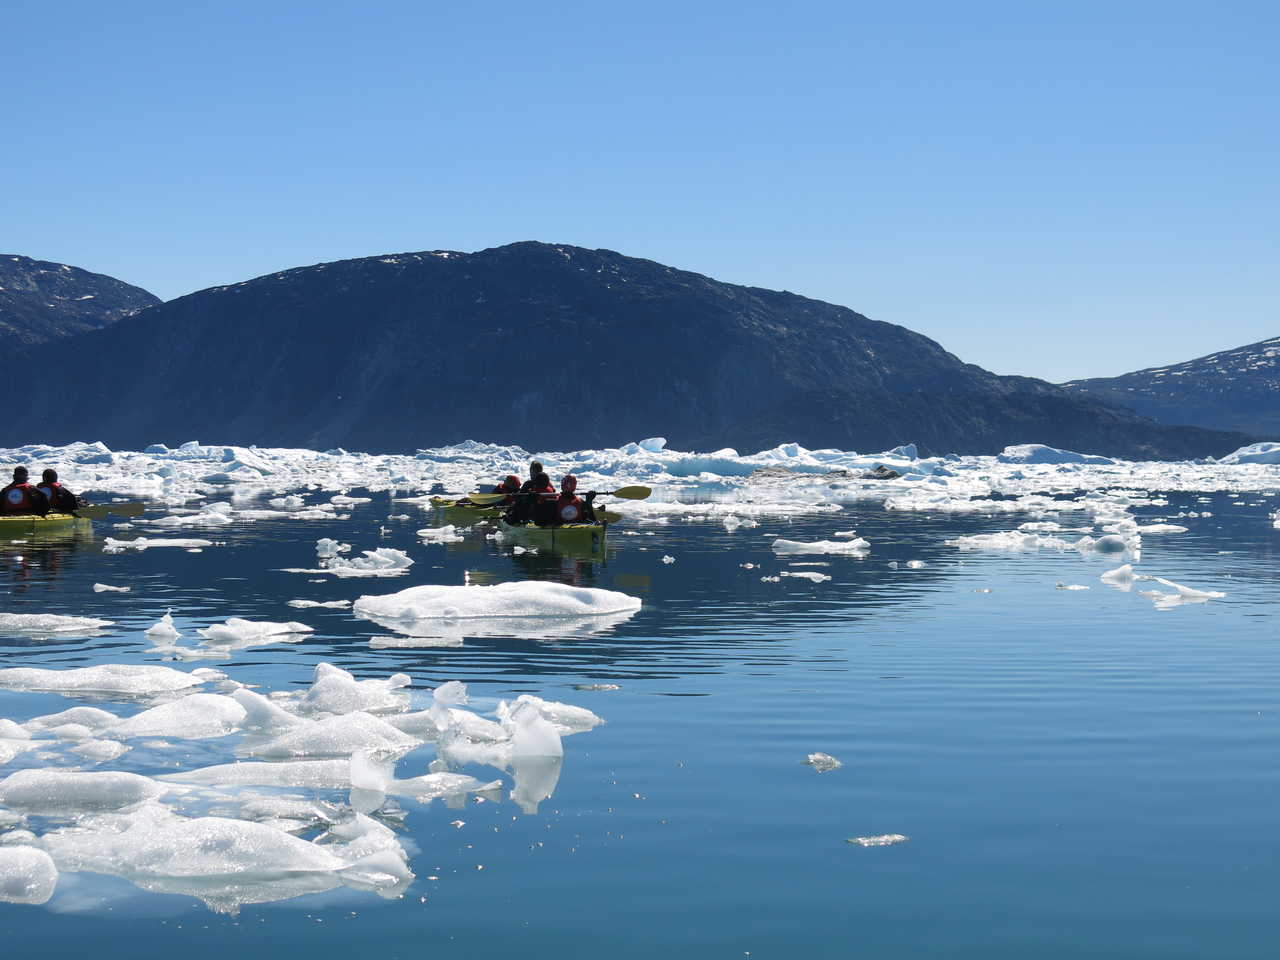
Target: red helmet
{"points": [[568, 483], [512, 482]]}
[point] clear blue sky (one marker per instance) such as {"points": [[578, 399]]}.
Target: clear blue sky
{"points": [[1054, 189]]}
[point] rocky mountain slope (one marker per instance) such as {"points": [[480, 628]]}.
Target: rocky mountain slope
{"points": [[552, 347], [42, 301], [1232, 390]]}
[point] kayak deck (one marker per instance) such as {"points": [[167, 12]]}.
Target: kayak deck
{"points": [[464, 512], [576, 537], [30, 525]]}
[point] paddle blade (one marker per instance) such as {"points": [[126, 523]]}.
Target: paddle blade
{"points": [[632, 493], [97, 511], [486, 498], [608, 516]]}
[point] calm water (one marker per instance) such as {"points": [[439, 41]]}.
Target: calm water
{"points": [[1078, 773]]}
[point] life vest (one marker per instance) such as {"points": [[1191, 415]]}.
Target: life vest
{"points": [[569, 509], [18, 498]]}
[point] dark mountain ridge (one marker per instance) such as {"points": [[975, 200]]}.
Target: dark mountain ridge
{"points": [[1235, 389], [551, 347], [42, 301]]}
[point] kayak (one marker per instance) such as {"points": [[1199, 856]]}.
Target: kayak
{"points": [[30, 525], [577, 537], [464, 512]]}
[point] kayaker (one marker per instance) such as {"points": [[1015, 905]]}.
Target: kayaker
{"points": [[534, 499], [21, 497], [569, 507], [60, 498], [510, 487]]}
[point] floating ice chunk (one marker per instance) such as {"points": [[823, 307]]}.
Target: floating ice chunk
{"points": [[329, 604], [199, 716], [100, 751], [880, 840], [823, 762], [1121, 577], [336, 691], [812, 575], [49, 792], [380, 562], [338, 736], [27, 875], [845, 535], [238, 634], [433, 786], [1167, 601], [11, 748], [734, 522], [291, 502], [317, 774], [1158, 528], [1039, 453], [916, 564], [107, 588], [667, 558], [531, 734], [525, 599], [146, 543], [565, 717], [263, 716], [70, 731], [1071, 586], [596, 686], [9, 730], [327, 548], [445, 534], [854, 548], [163, 629], [109, 678], [1266, 452], [344, 501], [89, 717], [225, 863], [1008, 540], [48, 624]]}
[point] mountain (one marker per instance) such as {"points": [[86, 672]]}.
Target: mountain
{"points": [[552, 347], [42, 301], [1233, 390]]}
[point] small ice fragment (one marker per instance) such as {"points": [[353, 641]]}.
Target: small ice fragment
{"points": [[596, 686], [823, 762], [27, 875], [330, 604], [163, 629], [882, 840], [64, 791], [915, 564], [107, 588], [1070, 586], [446, 534], [1121, 577], [667, 558], [48, 624], [327, 548], [811, 575]]}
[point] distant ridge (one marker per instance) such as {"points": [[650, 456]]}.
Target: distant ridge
{"points": [[42, 301], [1230, 390], [552, 347]]}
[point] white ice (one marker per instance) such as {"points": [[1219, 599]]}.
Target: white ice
{"points": [[857, 547], [49, 624]]}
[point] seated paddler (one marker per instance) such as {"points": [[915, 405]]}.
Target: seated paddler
{"points": [[20, 497]]}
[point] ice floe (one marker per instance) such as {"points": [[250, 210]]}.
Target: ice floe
{"points": [[857, 547], [211, 831], [49, 624]]}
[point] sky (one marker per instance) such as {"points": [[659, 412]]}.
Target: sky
{"points": [[1060, 190]]}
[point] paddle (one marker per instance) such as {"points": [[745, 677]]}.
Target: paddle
{"points": [[623, 493], [97, 511]]}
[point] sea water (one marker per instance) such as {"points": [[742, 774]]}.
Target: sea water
{"points": [[1024, 769]]}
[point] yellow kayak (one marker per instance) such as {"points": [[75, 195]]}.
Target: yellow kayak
{"points": [[574, 537], [22, 525]]}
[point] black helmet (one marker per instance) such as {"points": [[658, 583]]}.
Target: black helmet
{"points": [[49, 476], [20, 474]]}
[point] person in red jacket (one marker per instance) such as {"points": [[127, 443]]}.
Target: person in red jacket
{"points": [[21, 497], [60, 498], [569, 507], [509, 486]]}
